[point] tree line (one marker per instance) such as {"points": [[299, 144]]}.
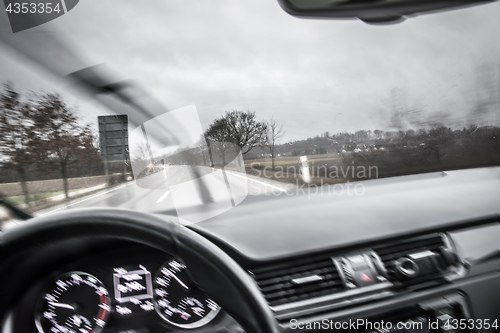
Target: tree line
{"points": [[43, 138], [393, 151], [242, 129], [366, 140]]}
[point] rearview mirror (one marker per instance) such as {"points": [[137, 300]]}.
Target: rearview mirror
{"points": [[370, 11]]}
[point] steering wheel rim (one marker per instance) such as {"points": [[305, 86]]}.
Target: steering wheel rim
{"points": [[210, 267]]}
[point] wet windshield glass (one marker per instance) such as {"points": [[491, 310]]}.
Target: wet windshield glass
{"points": [[177, 105]]}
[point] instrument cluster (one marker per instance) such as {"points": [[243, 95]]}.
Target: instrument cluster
{"points": [[122, 291]]}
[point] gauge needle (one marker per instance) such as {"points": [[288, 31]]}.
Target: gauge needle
{"points": [[62, 305], [180, 282]]}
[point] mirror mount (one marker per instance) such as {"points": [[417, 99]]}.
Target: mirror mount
{"points": [[370, 11]]}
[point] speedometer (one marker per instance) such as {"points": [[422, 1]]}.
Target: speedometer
{"points": [[178, 301], [76, 302]]}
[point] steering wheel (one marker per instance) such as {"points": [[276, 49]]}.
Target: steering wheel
{"points": [[213, 270]]}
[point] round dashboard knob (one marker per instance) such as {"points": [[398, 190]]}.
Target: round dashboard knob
{"points": [[406, 267]]}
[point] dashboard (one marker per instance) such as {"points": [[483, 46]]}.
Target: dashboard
{"points": [[413, 254], [421, 250]]}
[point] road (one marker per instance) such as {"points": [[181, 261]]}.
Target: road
{"points": [[193, 200]]}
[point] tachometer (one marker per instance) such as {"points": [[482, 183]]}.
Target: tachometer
{"points": [[76, 302], [178, 301]]}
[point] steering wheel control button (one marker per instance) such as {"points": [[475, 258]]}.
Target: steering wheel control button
{"points": [[75, 302]]}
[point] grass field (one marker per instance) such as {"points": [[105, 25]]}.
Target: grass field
{"points": [[45, 193], [19, 199], [337, 168], [287, 160], [51, 185], [287, 169]]}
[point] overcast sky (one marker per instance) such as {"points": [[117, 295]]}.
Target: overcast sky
{"points": [[311, 75]]}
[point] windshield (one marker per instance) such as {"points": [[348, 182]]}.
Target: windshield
{"points": [[169, 106]]}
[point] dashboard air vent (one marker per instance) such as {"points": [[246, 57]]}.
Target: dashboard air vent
{"points": [[391, 254], [294, 281]]}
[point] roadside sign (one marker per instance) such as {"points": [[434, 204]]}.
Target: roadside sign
{"points": [[113, 138]]}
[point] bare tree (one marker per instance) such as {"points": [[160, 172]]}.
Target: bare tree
{"points": [[216, 137], [237, 128], [204, 151], [90, 153], [15, 152], [275, 133], [56, 136]]}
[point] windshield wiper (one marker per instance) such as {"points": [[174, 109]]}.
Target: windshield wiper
{"points": [[23, 215]]}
